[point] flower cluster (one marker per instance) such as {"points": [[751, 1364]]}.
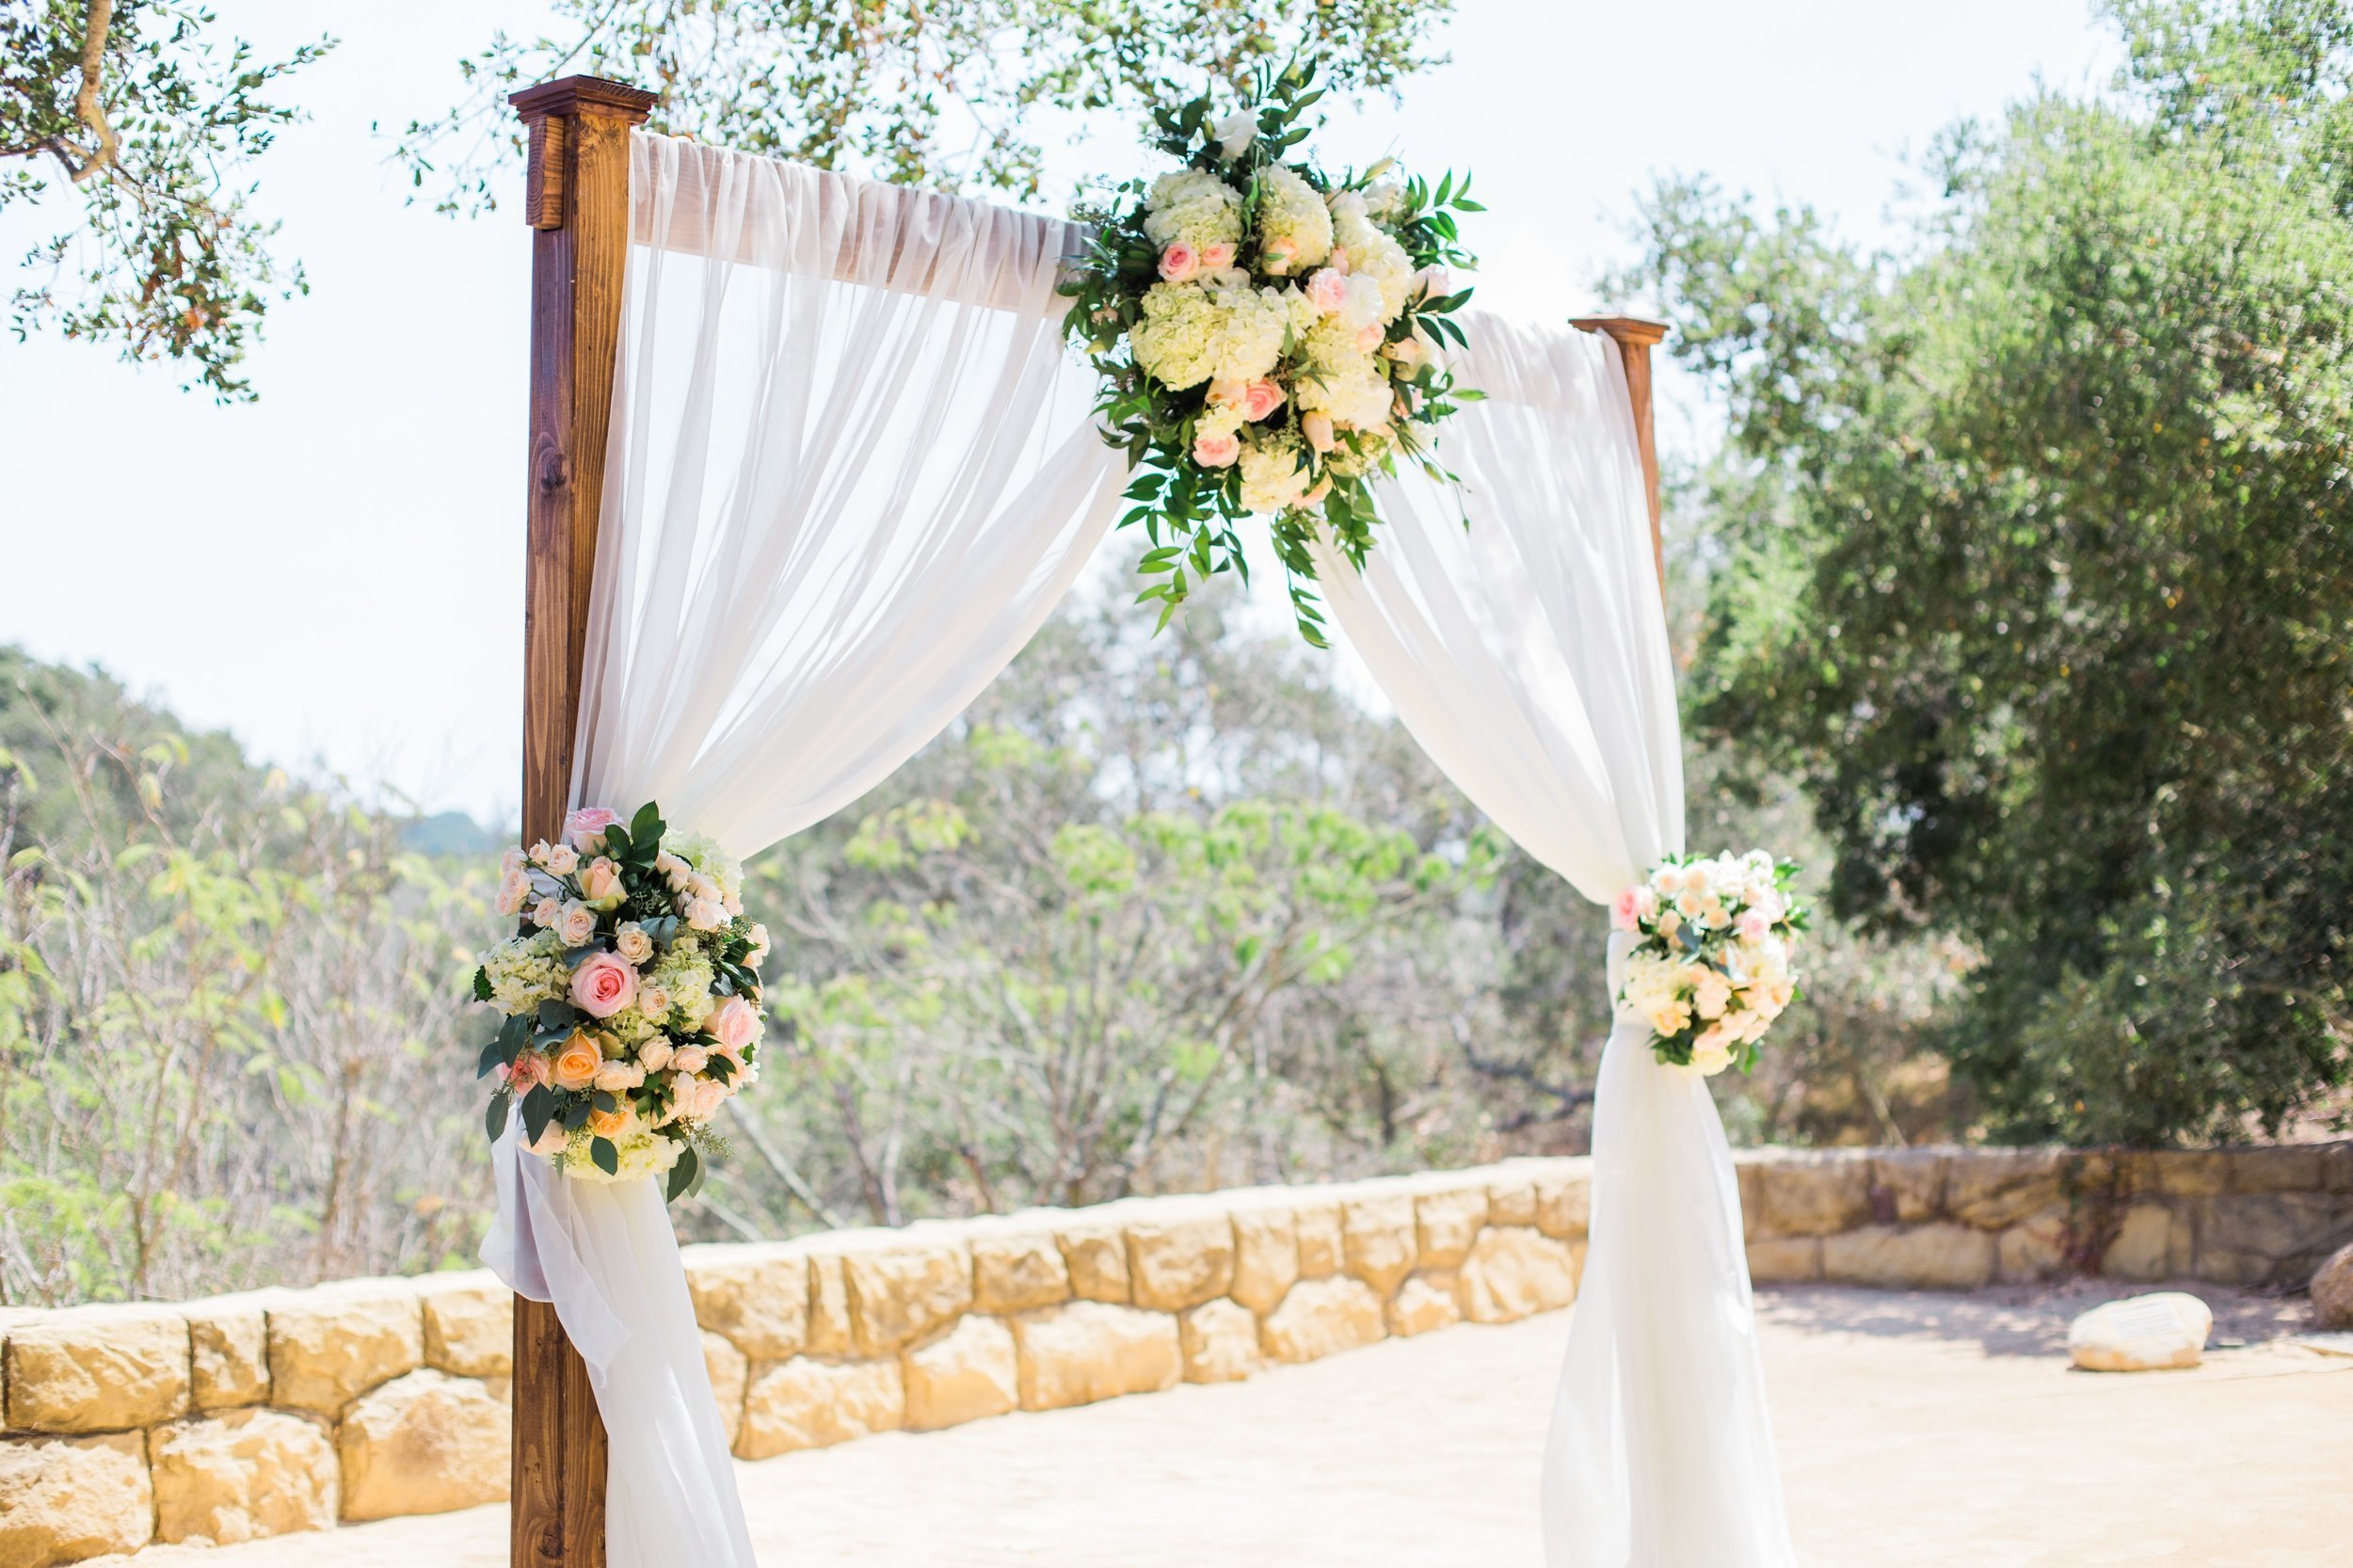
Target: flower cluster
{"points": [[630, 996], [1269, 339], [1711, 971]]}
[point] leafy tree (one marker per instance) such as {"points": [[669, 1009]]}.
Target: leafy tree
{"points": [[138, 117], [950, 93], [2036, 566]]}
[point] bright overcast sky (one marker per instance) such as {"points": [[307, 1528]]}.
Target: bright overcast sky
{"points": [[335, 573]]}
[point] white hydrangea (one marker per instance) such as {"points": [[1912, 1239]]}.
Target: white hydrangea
{"points": [[1294, 225], [1274, 471], [1337, 377], [1194, 206], [703, 854], [642, 1153], [526, 971], [686, 976], [1190, 334], [1372, 254]]}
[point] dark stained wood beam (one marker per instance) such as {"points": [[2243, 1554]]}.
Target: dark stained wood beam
{"points": [[1635, 338]]}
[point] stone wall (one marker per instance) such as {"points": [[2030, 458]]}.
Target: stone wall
{"points": [[242, 1417]]}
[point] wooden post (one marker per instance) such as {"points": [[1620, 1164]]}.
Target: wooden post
{"points": [[1635, 337], [576, 201]]}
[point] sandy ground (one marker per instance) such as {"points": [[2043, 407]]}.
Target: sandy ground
{"points": [[1914, 1429]]}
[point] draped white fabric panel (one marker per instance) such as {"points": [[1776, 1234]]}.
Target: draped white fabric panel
{"points": [[850, 471], [1527, 654]]}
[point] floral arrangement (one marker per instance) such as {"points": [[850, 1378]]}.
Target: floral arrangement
{"points": [[1711, 971], [630, 996], [1269, 339]]}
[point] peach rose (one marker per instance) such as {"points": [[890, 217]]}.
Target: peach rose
{"points": [[544, 914], [653, 1002], [733, 1024], [655, 1054], [530, 1068], [1316, 428], [1327, 289], [600, 885], [1276, 260], [603, 985], [610, 1124], [689, 1059], [1217, 449], [1368, 338], [1217, 257], [616, 1078], [585, 828], [576, 1064], [1337, 261], [1260, 398], [1179, 262], [1315, 497]]}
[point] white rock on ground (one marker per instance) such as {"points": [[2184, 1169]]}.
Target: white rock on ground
{"points": [[2332, 1290], [2162, 1332]]}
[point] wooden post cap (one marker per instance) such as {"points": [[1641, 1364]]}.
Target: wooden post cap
{"points": [[1633, 331], [568, 95]]}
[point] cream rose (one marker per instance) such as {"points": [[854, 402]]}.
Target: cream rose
{"points": [[575, 923], [655, 1054], [689, 1059], [600, 885], [631, 942], [514, 893], [618, 1077]]}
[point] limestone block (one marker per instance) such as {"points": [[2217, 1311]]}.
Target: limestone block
{"points": [[1220, 1342], [1424, 1303], [969, 1372], [468, 1324], [426, 1442], [828, 1305], [729, 1371], [66, 1498], [1785, 1260], [1993, 1189], [1323, 1238], [1564, 1203], [1087, 1351], [2332, 1291], [758, 1296], [1512, 1199], [1515, 1271], [2034, 1249], [2278, 1168], [2255, 1238], [1748, 1170], [228, 1349], [2336, 1162], [1447, 1223], [241, 1475], [97, 1368], [1377, 1227], [2144, 1247], [2179, 1172], [1814, 1195], [1095, 1249], [1940, 1256], [2141, 1333], [902, 1292], [803, 1403], [1320, 1317], [328, 1345], [1017, 1268], [1912, 1182], [1266, 1253], [1180, 1253]]}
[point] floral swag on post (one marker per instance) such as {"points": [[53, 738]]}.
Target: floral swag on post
{"points": [[1710, 970], [631, 998], [1269, 339]]}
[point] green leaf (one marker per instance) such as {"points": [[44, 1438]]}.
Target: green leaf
{"points": [[494, 1116], [481, 984], [606, 1157], [538, 1110], [684, 1176]]}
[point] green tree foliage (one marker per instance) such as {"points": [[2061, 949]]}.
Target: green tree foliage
{"points": [[949, 93], [2037, 570], [134, 120]]}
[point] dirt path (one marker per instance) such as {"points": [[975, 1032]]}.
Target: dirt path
{"points": [[1921, 1430]]}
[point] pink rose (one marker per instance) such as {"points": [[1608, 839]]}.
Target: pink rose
{"points": [[733, 1024], [1435, 281], [1261, 398], [546, 912], [1179, 262], [1316, 428], [689, 1059], [1217, 449], [575, 923], [514, 893], [585, 827], [1276, 260], [1627, 913], [1337, 261], [1216, 257], [1408, 353], [601, 884], [1753, 925], [1327, 289], [530, 1068], [511, 862], [603, 985], [1368, 338]]}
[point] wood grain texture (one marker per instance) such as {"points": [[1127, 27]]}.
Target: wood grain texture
{"points": [[1635, 338], [578, 206]]}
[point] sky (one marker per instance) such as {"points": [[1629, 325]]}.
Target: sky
{"points": [[334, 573]]}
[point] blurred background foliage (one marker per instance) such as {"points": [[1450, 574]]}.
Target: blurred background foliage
{"points": [[2017, 602]]}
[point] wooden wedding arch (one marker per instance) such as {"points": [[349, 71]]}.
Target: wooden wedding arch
{"points": [[577, 202]]}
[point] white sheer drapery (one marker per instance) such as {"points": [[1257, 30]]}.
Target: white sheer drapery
{"points": [[850, 471], [1527, 655]]}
